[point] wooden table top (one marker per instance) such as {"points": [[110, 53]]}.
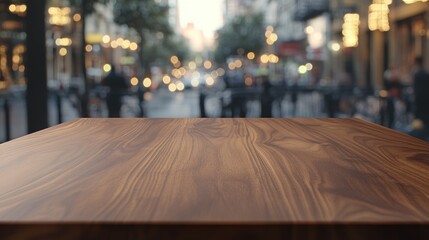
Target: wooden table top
{"points": [[280, 171]]}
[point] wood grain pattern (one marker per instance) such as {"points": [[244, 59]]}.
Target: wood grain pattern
{"points": [[215, 171]]}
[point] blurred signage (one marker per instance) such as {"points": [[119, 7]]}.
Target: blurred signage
{"points": [[93, 38], [12, 25], [287, 49]]}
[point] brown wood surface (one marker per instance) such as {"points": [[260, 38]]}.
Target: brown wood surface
{"points": [[215, 171]]}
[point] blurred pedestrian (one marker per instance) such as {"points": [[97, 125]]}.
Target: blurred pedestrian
{"points": [[117, 88], [202, 103], [266, 98], [421, 92], [393, 86]]}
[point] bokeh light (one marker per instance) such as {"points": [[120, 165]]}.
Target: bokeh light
{"points": [[134, 81], [147, 82], [107, 67]]}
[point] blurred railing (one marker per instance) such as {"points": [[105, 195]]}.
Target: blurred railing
{"points": [[290, 101], [307, 102]]}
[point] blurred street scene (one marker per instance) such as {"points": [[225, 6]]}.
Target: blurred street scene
{"points": [[66, 59]]}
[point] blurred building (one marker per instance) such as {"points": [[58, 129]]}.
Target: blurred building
{"points": [[409, 35], [235, 8], [388, 34], [195, 37], [12, 40], [173, 13], [290, 46]]}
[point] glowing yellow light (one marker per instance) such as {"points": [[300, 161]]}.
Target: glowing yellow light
{"points": [[180, 86], [51, 10], [16, 59], [23, 8], [207, 64], [176, 73], [59, 16], [133, 46], [147, 82], [238, 63], [251, 55], [177, 64], [12, 8], [166, 79], [114, 44], [413, 1], [182, 71], [134, 81], [309, 30], [273, 58], [65, 11], [302, 69], [88, 48], [105, 39], [77, 17], [126, 44], [265, 58], [350, 30], [335, 47], [231, 66], [18, 8], [63, 52], [378, 16], [107, 67], [309, 66], [209, 81], [273, 37], [119, 41], [63, 42], [174, 59], [172, 87]]}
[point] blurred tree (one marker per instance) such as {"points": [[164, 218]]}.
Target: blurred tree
{"points": [[245, 32], [86, 7], [150, 20], [158, 51]]}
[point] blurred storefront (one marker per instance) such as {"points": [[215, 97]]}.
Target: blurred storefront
{"points": [[12, 49], [387, 34], [318, 27], [409, 36]]}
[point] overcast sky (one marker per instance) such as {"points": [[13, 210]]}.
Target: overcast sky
{"points": [[205, 14]]}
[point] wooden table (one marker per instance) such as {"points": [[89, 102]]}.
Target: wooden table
{"points": [[215, 179]]}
